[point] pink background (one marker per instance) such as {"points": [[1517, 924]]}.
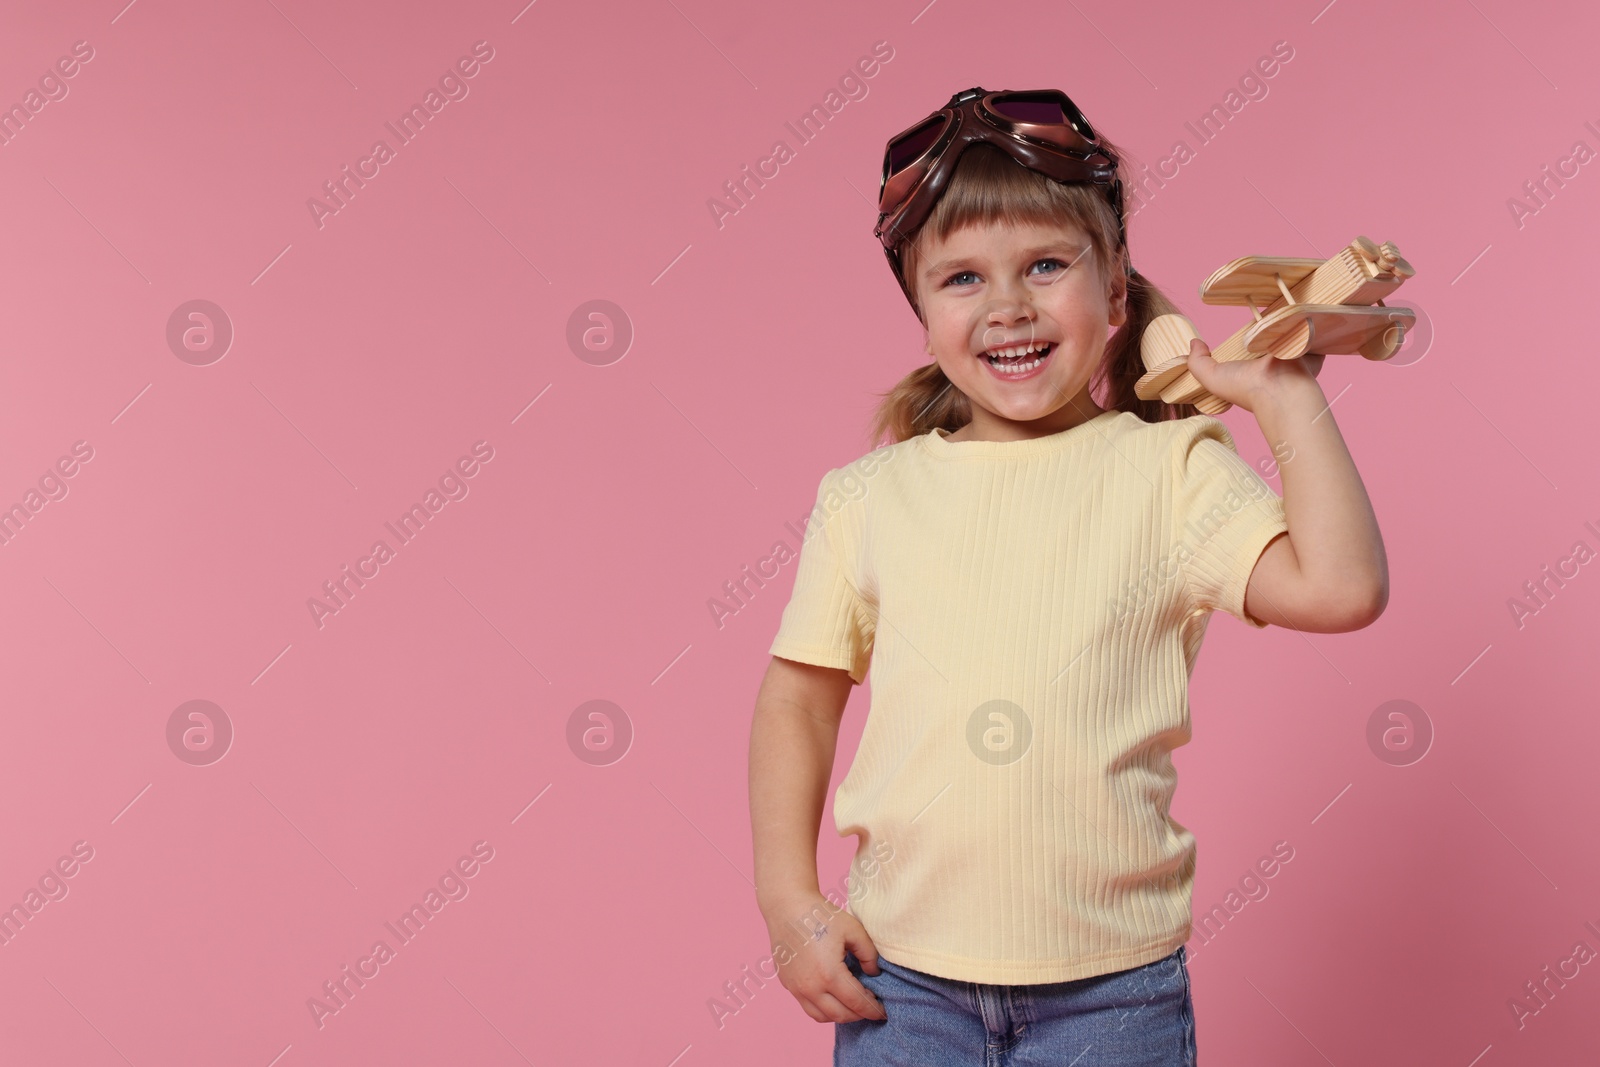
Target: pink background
{"points": [[369, 354]]}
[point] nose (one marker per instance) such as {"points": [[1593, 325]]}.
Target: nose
{"points": [[1009, 307], [1010, 300]]}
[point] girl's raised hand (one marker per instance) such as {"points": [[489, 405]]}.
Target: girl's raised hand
{"points": [[1245, 383], [817, 975]]}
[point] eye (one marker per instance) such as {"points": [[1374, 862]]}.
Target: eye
{"points": [[959, 274], [1057, 262]]}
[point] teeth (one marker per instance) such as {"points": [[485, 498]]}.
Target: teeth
{"points": [[1016, 368], [1013, 351], [1014, 365]]}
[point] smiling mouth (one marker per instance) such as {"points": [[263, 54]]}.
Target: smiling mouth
{"points": [[1019, 358]]}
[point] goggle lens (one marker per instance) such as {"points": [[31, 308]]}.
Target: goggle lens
{"points": [[907, 149], [1020, 108], [1051, 116]]}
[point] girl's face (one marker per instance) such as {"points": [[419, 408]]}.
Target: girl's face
{"points": [[997, 286]]}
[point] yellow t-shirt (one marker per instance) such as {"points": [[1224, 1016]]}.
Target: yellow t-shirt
{"points": [[1030, 612]]}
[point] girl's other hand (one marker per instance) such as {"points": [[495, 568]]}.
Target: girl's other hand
{"points": [[816, 974], [1245, 383]]}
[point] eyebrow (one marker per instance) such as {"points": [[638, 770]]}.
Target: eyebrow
{"points": [[1073, 251]]}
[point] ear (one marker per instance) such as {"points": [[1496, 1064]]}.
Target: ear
{"points": [[1117, 312]]}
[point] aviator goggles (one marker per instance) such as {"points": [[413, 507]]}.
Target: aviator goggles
{"points": [[1041, 128]]}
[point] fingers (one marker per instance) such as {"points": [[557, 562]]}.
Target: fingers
{"points": [[847, 1000], [861, 946], [1199, 359], [858, 998], [1200, 363], [833, 1011], [839, 998], [827, 989]]}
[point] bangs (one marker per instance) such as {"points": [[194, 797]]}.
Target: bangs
{"points": [[990, 187]]}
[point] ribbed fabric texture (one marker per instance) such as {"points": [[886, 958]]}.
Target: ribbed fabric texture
{"points": [[1030, 612]]}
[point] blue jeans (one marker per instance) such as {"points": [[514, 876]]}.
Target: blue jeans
{"points": [[1140, 1017]]}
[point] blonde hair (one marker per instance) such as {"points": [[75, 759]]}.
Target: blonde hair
{"points": [[989, 186]]}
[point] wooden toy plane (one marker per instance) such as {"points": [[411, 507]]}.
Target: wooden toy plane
{"points": [[1301, 306]]}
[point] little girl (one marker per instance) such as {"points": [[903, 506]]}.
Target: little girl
{"points": [[1028, 572]]}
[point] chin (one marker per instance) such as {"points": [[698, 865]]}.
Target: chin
{"points": [[1022, 411], [1032, 415]]}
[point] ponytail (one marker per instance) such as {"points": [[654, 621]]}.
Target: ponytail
{"points": [[1123, 364], [920, 401]]}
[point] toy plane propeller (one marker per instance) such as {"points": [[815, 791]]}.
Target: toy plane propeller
{"points": [[1301, 306]]}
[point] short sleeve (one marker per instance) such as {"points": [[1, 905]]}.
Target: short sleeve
{"points": [[1225, 514], [826, 622]]}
